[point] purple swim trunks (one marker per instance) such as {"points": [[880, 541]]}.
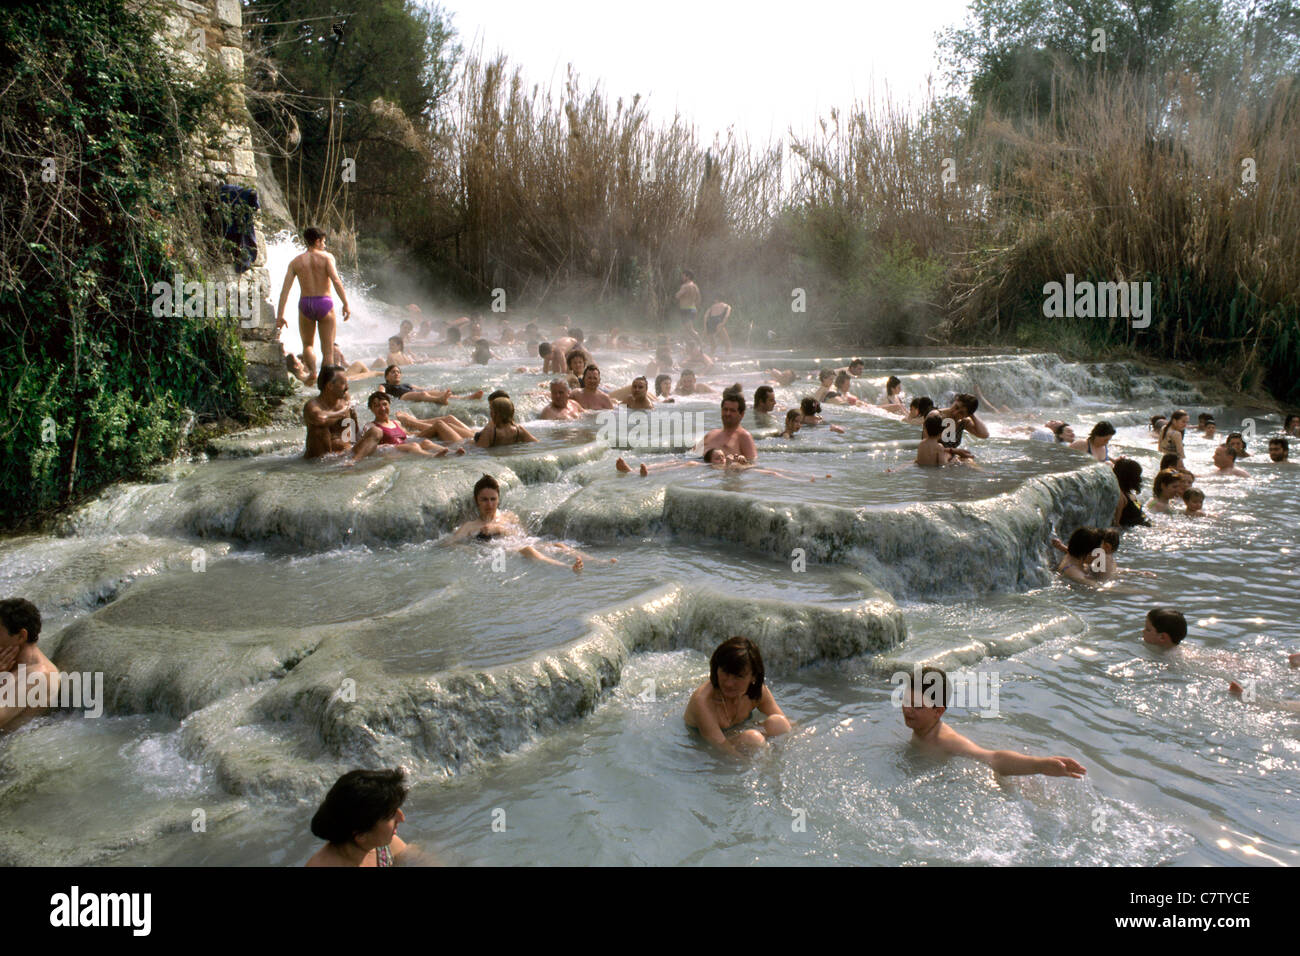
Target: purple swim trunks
{"points": [[315, 307]]}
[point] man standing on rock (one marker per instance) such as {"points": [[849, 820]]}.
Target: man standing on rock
{"points": [[316, 272]]}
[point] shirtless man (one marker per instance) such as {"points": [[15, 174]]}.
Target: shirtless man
{"points": [[764, 402], [688, 299], [562, 408], [962, 414], [20, 626], [1225, 460], [924, 700], [567, 343], [552, 358], [1278, 449], [731, 438], [324, 415], [316, 272], [640, 399], [734, 690], [687, 385], [590, 396], [715, 326], [931, 451]]}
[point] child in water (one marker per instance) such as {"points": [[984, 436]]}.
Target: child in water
{"points": [[734, 689], [924, 702], [793, 422]]}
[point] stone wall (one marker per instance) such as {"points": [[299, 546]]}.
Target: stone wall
{"points": [[203, 33]]}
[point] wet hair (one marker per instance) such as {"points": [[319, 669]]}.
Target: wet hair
{"points": [[401, 346], [588, 368], [892, 383], [19, 613], [737, 397], [327, 375], [933, 424], [923, 405], [389, 369], [810, 406], [1110, 536], [1083, 542], [641, 378], [312, 233], [826, 373], [1129, 475], [842, 376], [684, 372], [1059, 429], [1166, 476], [1228, 450], [502, 408], [925, 681], [1178, 413], [375, 396], [1166, 620], [1101, 430], [735, 656], [763, 393], [792, 417], [1193, 494], [1168, 461], [708, 455], [544, 349], [858, 361], [1286, 423], [356, 803], [968, 401], [576, 353], [289, 360], [1286, 446], [1237, 435], [659, 380], [560, 381], [487, 481], [499, 393], [735, 388]]}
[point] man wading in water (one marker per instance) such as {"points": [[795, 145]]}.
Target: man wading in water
{"points": [[316, 272]]}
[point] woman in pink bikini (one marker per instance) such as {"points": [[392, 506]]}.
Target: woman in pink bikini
{"points": [[383, 431]]}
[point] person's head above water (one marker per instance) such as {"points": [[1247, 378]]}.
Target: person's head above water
{"points": [[1224, 456], [1101, 430], [544, 349], [735, 661], [312, 235], [733, 409], [856, 367], [1063, 432], [393, 375], [376, 398], [1158, 422], [1291, 425], [502, 410], [560, 392], [487, 495], [576, 362], [482, 351], [1083, 542], [926, 692], [19, 615], [1165, 483], [663, 385], [1236, 442], [1129, 475], [1278, 449], [764, 399], [363, 807], [826, 376], [810, 406], [842, 382], [921, 406], [793, 419], [591, 377], [965, 404], [933, 424], [640, 386], [892, 384], [1164, 627], [1194, 499], [332, 382]]}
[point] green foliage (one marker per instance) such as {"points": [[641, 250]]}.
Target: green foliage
{"points": [[97, 388]]}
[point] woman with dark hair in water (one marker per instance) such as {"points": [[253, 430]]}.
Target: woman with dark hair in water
{"points": [[1097, 444], [492, 523], [1129, 511], [1171, 436], [1166, 486], [358, 821], [734, 690]]}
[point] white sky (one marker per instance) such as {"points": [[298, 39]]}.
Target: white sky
{"points": [[759, 66]]}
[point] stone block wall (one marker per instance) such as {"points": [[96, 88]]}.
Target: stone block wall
{"points": [[212, 31]]}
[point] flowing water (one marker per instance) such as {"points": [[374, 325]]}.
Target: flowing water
{"points": [[264, 624]]}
